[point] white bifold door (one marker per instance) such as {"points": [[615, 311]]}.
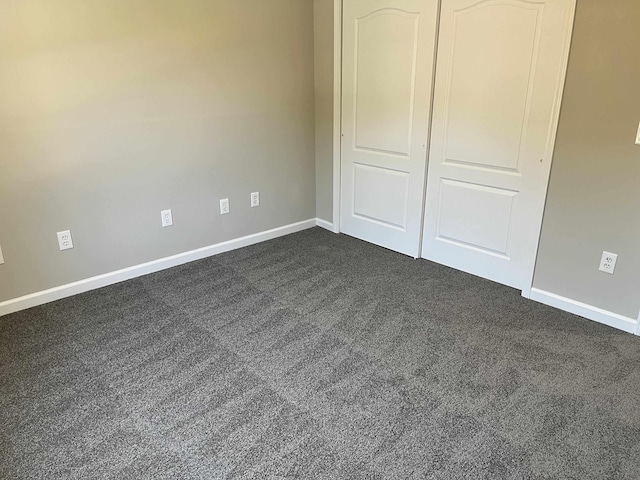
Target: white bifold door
{"points": [[388, 61], [499, 78]]}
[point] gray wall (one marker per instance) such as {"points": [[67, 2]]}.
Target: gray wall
{"points": [[323, 34], [111, 111], [594, 193]]}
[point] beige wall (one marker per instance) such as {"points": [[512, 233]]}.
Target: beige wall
{"points": [[323, 34], [594, 194], [112, 110]]}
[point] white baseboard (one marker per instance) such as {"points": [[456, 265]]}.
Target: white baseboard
{"points": [[324, 224], [587, 311], [63, 291]]}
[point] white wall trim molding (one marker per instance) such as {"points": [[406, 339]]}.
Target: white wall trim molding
{"points": [[337, 110], [638, 330], [63, 291], [325, 224], [590, 312]]}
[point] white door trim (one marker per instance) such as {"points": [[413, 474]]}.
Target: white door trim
{"points": [[562, 80], [337, 110]]}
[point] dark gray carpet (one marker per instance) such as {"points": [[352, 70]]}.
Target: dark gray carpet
{"points": [[315, 356]]}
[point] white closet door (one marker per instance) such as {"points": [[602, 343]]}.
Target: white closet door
{"points": [[499, 80], [388, 60]]}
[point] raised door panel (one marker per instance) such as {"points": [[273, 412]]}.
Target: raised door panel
{"points": [[489, 83], [381, 195], [476, 216], [385, 67]]}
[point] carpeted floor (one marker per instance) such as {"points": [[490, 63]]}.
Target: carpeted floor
{"points": [[315, 356]]}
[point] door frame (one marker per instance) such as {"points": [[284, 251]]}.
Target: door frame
{"points": [[337, 112], [337, 125]]}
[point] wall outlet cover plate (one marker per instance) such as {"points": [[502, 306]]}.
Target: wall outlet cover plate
{"points": [[608, 262], [224, 206], [167, 218], [65, 242], [255, 199]]}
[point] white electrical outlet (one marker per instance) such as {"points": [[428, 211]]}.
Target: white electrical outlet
{"points": [[224, 206], [167, 218], [255, 199], [638, 137], [1, 257], [608, 262], [64, 240]]}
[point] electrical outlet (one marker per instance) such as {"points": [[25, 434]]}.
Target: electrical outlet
{"points": [[167, 218], [64, 240], [224, 206], [638, 137], [608, 262], [1, 256], [255, 199]]}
